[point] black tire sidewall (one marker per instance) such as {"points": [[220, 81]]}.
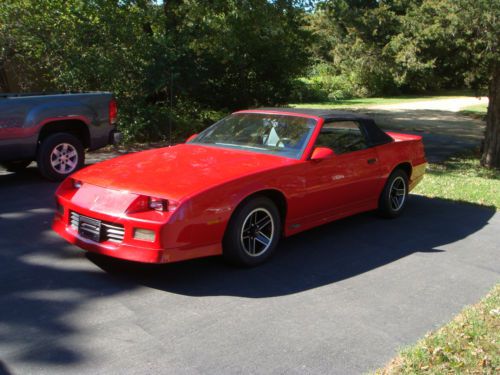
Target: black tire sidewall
{"points": [[385, 208], [45, 149], [232, 248]]}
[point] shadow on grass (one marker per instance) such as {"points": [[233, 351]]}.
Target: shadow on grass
{"points": [[466, 163], [478, 115]]}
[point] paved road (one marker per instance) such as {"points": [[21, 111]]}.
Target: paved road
{"points": [[340, 299], [444, 131]]}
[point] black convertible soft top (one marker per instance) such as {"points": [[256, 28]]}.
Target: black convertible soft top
{"points": [[375, 135]]}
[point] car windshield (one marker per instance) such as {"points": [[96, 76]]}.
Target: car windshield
{"points": [[266, 133]]}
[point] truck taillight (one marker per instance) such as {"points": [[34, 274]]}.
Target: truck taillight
{"points": [[113, 111]]}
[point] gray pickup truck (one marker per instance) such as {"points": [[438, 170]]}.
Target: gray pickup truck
{"points": [[55, 130]]}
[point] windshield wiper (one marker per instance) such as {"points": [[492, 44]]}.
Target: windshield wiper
{"points": [[242, 146]]}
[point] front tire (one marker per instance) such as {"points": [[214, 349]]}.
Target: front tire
{"points": [[253, 233], [393, 199], [59, 155]]}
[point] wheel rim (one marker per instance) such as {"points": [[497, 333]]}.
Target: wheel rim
{"points": [[64, 158], [257, 232], [397, 193]]}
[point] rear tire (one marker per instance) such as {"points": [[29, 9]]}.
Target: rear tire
{"points": [[59, 155], [16, 166], [253, 233], [393, 199]]}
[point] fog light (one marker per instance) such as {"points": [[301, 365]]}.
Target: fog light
{"points": [[144, 234], [77, 184]]}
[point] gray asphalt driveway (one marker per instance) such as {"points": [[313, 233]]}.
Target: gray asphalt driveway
{"points": [[444, 133], [339, 299]]}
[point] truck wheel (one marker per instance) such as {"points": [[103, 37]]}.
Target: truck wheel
{"points": [[59, 155], [16, 166]]}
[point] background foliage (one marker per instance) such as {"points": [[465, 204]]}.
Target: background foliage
{"points": [[387, 47], [187, 62], [180, 61]]}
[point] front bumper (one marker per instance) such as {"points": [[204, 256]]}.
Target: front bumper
{"points": [[107, 221], [121, 251]]}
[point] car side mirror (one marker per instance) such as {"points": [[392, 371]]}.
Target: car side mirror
{"points": [[321, 153], [191, 137]]}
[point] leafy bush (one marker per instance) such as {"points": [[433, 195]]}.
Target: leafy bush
{"points": [[178, 62]]}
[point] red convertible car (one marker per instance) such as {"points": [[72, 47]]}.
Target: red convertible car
{"points": [[239, 186]]}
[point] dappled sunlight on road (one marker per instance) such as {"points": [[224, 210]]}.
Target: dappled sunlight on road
{"points": [[434, 122], [62, 310]]}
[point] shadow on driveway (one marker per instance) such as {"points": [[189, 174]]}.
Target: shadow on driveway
{"points": [[317, 257], [44, 281], [444, 133]]}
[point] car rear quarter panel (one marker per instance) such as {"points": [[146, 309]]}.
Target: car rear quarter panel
{"points": [[407, 149]]}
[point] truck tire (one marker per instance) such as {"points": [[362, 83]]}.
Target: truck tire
{"points": [[16, 166], [59, 155]]}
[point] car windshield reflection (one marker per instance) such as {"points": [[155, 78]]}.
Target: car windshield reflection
{"points": [[281, 135]]}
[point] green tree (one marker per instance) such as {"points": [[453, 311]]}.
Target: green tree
{"points": [[175, 61], [79, 45], [457, 38], [237, 53], [415, 45], [352, 38]]}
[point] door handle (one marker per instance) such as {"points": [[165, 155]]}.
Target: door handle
{"points": [[371, 161]]}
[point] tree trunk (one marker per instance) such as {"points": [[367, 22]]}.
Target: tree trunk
{"points": [[4, 82], [491, 152]]}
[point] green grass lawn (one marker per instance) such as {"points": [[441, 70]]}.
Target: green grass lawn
{"points": [[476, 111], [462, 179], [469, 344], [363, 102]]}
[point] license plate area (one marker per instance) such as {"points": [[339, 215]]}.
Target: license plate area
{"points": [[90, 228]]}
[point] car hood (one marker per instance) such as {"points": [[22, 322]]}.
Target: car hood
{"points": [[179, 171]]}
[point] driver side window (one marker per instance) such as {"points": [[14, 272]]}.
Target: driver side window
{"points": [[342, 137]]}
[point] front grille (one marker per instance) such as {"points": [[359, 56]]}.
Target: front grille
{"points": [[109, 231], [113, 232]]}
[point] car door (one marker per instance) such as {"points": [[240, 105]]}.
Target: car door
{"points": [[348, 182]]}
